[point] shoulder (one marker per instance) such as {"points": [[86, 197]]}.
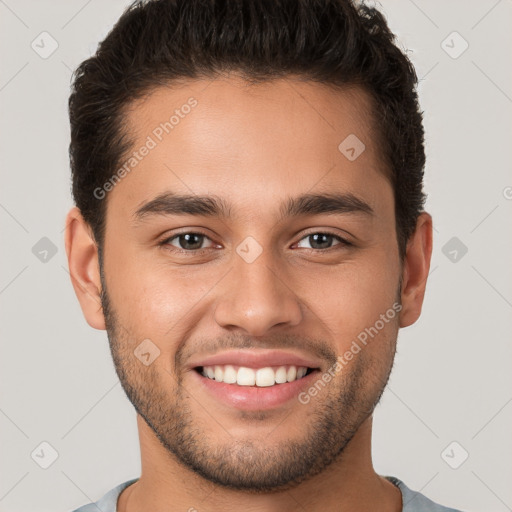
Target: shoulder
{"points": [[414, 501], [108, 503]]}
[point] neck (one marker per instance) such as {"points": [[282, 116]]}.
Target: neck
{"points": [[349, 484]]}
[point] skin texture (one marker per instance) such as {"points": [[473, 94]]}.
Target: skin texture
{"points": [[255, 146]]}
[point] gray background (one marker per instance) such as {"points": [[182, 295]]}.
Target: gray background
{"points": [[452, 378]]}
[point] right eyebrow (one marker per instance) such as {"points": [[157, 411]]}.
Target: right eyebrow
{"points": [[175, 204]]}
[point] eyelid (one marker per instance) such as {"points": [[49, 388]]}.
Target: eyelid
{"points": [[165, 242], [196, 231], [342, 240], [327, 231]]}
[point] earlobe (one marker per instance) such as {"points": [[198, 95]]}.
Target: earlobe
{"points": [[82, 254], [415, 270]]}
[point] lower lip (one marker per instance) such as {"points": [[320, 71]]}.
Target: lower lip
{"points": [[254, 397]]}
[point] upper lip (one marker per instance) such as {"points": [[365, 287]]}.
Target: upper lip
{"points": [[252, 358]]}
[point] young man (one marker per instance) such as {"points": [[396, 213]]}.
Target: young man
{"points": [[250, 232]]}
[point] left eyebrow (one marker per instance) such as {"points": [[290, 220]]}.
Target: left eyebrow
{"points": [[316, 204], [169, 203]]}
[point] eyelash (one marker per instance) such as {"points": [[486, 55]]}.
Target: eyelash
{"points": [[166, 242]]}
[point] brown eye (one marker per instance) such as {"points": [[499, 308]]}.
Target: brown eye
{"points": [[320, 240], [187, 241]]}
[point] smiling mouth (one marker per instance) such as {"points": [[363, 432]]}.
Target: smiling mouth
{"points": [[256, 377]]}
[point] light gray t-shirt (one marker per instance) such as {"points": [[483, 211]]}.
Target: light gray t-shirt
{"points": [[412, 501]]}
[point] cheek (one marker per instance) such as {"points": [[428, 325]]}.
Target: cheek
{"points": [[159, 302], [353, 297]]}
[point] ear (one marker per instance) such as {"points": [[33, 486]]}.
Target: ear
{"points": [[84, 267], [415, 270]]}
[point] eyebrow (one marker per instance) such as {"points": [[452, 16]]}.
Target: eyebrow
{"points": [[169, 203]]}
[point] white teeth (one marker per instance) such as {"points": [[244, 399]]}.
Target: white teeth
{"points": [[281, 375], [230, 374], [265, 377], [301, 372], [261, 377], [246, 377], [291, 374]]}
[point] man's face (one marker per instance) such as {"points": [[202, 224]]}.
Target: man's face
{"points": [[257, 280]]}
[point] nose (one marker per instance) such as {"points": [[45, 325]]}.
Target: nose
{"points": [[257, 298]]}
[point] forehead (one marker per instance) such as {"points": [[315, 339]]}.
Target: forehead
{"points": [[238, 140]]}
